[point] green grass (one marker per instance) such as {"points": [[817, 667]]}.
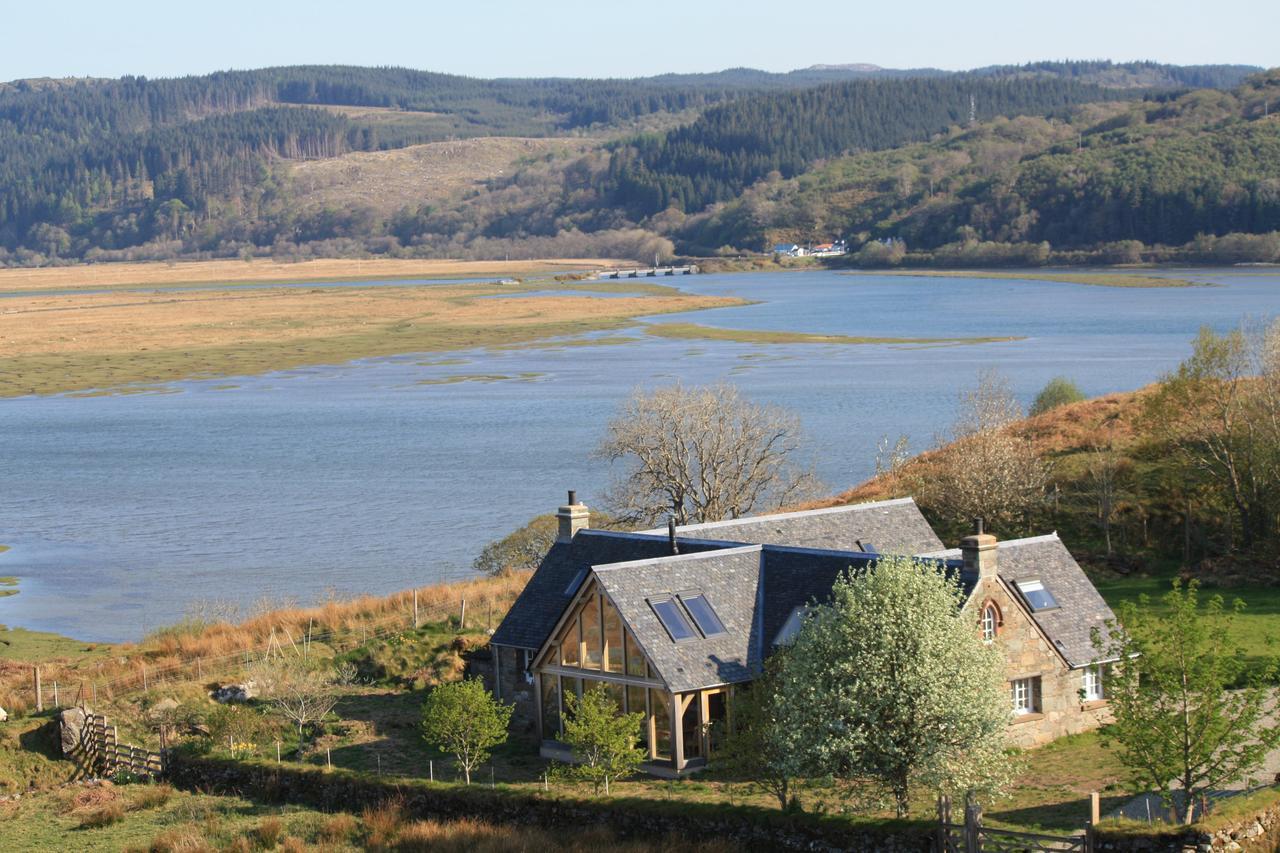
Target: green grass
{"points": [[21, 644], [1097, 279], [694, 331], [1256, 629]]}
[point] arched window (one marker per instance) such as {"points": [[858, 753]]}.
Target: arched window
{"points": [[990, 621]]}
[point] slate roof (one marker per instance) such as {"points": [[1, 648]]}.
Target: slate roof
{"points": [[1081, 609], [891, 527], [730, 580], [540, 604]]}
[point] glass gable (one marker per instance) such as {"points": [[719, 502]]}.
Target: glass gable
{"points": [[1036, 595]]}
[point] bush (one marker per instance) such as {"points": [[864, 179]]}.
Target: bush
{"points": [[267, 834], [338, 828], [1058, 392], [104, 815]]}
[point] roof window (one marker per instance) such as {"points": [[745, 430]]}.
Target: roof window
{"points": [[1036, 595], [673, 619], [703, 614], [787, 633]]}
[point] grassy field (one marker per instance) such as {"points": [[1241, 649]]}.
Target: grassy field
{"points": [[265, 270], [434, 173], [694, 331], [1097, 279], [68, 342]]}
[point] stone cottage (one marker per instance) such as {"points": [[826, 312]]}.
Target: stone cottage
{"points": [[671, 621]]}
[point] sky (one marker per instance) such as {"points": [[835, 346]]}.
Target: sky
{"points": [[605, 38]]}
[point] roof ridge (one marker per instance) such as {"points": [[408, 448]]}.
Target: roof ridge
{"points": [[828, 510], [678, 558]]}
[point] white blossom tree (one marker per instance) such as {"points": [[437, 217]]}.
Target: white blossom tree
{"points": [[890, 682]]}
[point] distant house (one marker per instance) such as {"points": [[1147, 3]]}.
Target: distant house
{"points": [[672, 621], [791, 250]]}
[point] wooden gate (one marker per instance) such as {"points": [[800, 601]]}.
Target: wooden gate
{"points": [[971, 836], [102, 752]]}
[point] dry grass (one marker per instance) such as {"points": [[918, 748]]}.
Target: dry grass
{"points": [[173, 652], [260, 270], [382, 824], [387, 181], [150, 797], [104, 815], [62, 342], [268, 833], [339, 828]]}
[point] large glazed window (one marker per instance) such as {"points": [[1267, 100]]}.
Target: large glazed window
{"points": [[550, 707], [592, 634], [571, 644], [613, 659], [635, 658], [661, 724]]}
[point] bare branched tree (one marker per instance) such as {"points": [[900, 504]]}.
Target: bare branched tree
{"points": [[703, 454], [989, 471], [301, 694], [1106, 467]]}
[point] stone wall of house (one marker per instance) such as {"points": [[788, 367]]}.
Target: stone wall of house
{"points": [[1028, 654], [514, 688]]}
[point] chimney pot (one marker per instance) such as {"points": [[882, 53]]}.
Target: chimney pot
{"points": [[979, 551], [571, 518], [671, 534]]}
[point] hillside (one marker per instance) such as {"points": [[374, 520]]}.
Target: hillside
{"points": [[306, 161], [1160, 171]]}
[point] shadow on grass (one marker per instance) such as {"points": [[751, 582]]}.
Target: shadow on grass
{"points": [[1065, 816]]}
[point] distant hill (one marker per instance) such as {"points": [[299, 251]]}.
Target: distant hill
{"points": [[211, 165]]}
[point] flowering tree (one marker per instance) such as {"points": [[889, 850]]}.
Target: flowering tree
{"points": [[891, 683]]}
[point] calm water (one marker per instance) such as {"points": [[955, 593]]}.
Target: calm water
{"points": [[369, 477]]}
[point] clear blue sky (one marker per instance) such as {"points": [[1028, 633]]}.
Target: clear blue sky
{"points": [[605, 38]]}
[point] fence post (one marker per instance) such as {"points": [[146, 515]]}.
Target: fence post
{"points": [[462, 616], [39, 692], [972, 825], [56, 703], [431, 770], [145, 687], [415, 610], [1095, 814], [944, 818], [199, 671]]}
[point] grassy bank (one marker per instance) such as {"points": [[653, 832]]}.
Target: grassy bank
{"points": [[694, 331], [71, 342], [265, 270]]}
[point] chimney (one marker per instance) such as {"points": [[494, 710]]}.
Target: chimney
{"points": [[572, 517], [979, 552], [671, 535]]}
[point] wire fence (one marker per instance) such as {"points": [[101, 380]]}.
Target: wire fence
{"points": [[68, 687]]}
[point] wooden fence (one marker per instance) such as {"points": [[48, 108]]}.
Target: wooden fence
{"points": [[103, 754], [971, 836]]}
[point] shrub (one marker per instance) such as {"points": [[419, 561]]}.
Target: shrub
{"points": [[267, 834], [182, 839], [150, 797], [382, 823], [104, 815], [1058, 392]]}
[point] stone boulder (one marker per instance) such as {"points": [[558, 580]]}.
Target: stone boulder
{"points": [[235, 692], [71, 724]]}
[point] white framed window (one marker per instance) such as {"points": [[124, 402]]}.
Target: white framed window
{"points": [[990, 623], [526, 661], [1025, 693], [1091, 684]]}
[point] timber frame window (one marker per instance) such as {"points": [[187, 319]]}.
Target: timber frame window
{"points": [[1091, 685], [1025, 693]]}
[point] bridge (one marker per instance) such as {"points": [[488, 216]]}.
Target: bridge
{"points": [[648, 272]]}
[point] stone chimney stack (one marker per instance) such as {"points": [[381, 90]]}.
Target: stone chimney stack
{"points": [[572, 517], [979, 552]]}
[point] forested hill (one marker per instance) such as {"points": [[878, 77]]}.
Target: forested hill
{"points": [[1111, 179], [206, 166], [733, 145]]}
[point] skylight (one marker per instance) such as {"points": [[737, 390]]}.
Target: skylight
{"points": [[673, 619], [866, 547], [787, 633], [1036, 595], [703, 615]]}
